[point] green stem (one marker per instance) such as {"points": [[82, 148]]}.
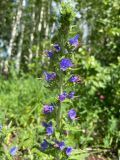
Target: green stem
{"points": [[59, 114], [59, 111]]}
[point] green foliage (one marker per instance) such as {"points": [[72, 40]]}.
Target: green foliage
{"points": [[21, 102], [103, 21], [97, 102], [20, 107]]}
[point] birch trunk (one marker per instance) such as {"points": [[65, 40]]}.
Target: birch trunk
{"points": [[47, 30], [16, 22], [40, 23], [32, 33], [20, 44], [18, 57]]}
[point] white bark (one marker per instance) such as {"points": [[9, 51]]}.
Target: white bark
{"points": [[20, 44], [41, 17], [18, 57], [46, 27], [32, 33], [48, 19], [16, 22]]}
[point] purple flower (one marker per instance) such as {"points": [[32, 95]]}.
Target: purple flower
{"points": [[65, 63], [44, 145], [45, 124], [71, 95], [50, 54], [74, 41], [72, 114], [57, 47], [74, 79], [62, 97], [49, 128], [61, 145], [48, 109], [68, 151], [49, 76], [13, 151]]}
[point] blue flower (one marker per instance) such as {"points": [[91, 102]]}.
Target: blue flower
{"points": [[65, 63], [74, 41], [68, 151], [48, 109], [13, 151], [61, 145], [44, 145], [62, 97], [74, 79], [50, 54], [49, 76], [72, 114], [49, 128], [71, 95], [57, 47], [44, 124]]}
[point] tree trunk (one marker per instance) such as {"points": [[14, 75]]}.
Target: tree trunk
{"points": [[40, 23], [20, 44], [16, 22], [18, 57], [32, 32]]}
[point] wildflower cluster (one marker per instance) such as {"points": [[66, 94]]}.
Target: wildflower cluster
{"points": [[65, 63], [64, 95]]}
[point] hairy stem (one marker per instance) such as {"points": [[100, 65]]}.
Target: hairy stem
{"points": [[59, 106]]}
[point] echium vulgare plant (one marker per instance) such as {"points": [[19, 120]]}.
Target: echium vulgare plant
{"points": [[59, 117], [56, 115]]}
